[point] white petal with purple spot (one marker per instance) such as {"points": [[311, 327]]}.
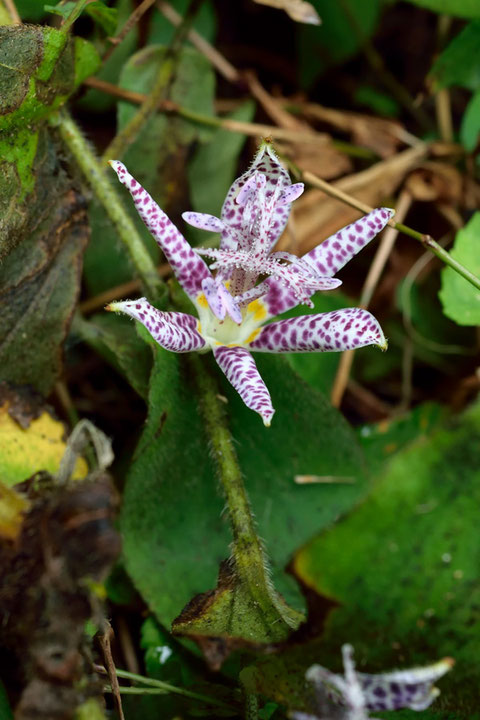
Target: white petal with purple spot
{"points": [[174, 331], [327, 332], [240, 369]]}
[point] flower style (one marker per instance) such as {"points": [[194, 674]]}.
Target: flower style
{"points": [[232, 305], [354, 695]]}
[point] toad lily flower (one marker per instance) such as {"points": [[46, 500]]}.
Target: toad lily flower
{"points": [[232, 305], [354, 695]]}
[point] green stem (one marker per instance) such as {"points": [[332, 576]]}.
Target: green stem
{"points": [[108, 197], [160, 90], [247, 550], [167, 688], [250, 706], [76, 12], [250, 560], [441, 253]]}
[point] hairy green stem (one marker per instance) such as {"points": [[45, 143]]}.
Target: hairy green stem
{"points": [[160, 90], [441, 253], [76, 12], [250, 704], [250, 560], [108, 197]]}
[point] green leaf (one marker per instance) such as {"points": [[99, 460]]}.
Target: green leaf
{"points": [[120, 345], [459, 63], [42, 240], [105, 17], [63, 10], [345, 26], [163, 136], [95, 100], [212, 168], [205, 23], [470, 127], [156, 158], [39, 68], [457, 8], [404, 565], [30, 10], [460, 300], [174, 533]]}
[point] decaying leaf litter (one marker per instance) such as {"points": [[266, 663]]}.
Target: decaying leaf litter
{"points": [[270, 548]]}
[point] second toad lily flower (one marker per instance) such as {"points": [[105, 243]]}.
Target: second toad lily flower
{"points": [[232, 305]]}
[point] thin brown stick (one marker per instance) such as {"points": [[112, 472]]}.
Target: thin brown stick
{"points": [[381, 256], [10, 5], [132, 20], [444, 114], [105, 644], [117, 292], [220, 63], [237, 126]]}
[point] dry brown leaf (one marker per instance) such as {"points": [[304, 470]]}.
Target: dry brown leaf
{"points": [[436, 181], [317, 216], [381, 135], [298, 10]]}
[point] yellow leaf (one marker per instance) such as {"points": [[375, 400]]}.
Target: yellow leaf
{"points": [[39, 447]]}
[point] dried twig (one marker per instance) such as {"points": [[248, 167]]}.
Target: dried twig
{"points": [[10, 5], [105, 641], [159, 92], [220, 63], [132, 20], [381, 256]]}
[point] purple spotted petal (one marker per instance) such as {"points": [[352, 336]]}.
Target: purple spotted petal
{"points": [[174, 331], [354, 695], [403, 688], [240, 369], [298, 276], [328, 257], [188, 267], [332, 254], [237, 234], [333, 331], [203, 221]]}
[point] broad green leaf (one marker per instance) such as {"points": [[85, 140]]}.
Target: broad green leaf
{"points": [[42, 240], [120, 345], [156, 158], [95, 100], [213, 166], [102, 15], [459, 63], [162, 138], [63, 10], [460, 300], [345, 25], [38, 72], [470, 127], [404, 565], [205, 23], [30, 10], [457, 8], [175, 537], [105, 17]]}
